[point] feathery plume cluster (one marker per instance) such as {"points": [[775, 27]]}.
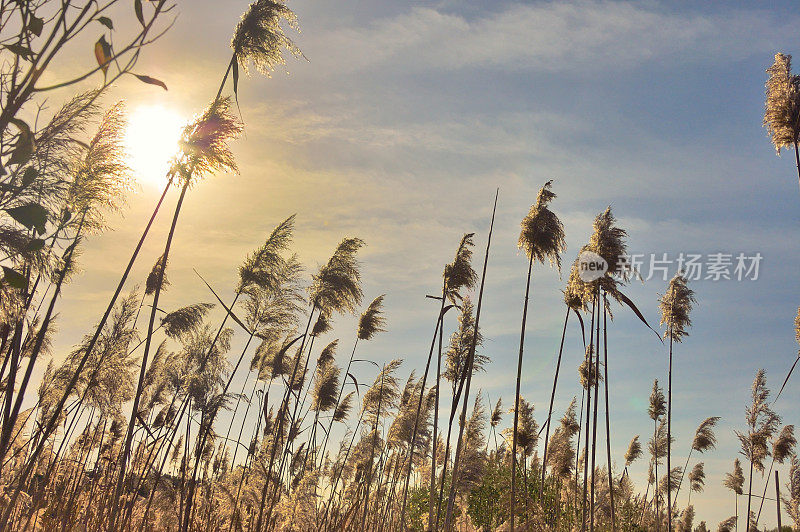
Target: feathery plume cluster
{"points": [[337, 285], [204, 143], [326, 388], [259, 37], [372, 320], [578, 294], [542, 235], [156, 277], [328, 354], [697, 478], [344, 407], [461, 344], [704, 437], [658, 404], [762, 423], [783, 444], [497, 413], [459, 273], [101, 175], [608, 241], [264, 266], [322, 325], [527, 430], [634, 451], [782, 107], [589, 372], [687, 520], [734, 480], [560, 451], [675, 306], [185, 320]]}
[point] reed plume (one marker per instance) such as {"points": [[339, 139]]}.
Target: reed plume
{"points": [[344, 407], [372, 320], [459, 273], [697, 478], [205, 142], [762, 423], [542, 233], [634, 451], [728, 525], [782, 106], [497, 413], [687, 520], [704, 440], [337, 285], [460, 344], [101, 175], [259, 37], [609, 241], [157, 277], [325, 388], [734, 480]]}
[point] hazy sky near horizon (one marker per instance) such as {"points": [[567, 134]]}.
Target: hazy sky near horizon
{"points": [[406, 117]]}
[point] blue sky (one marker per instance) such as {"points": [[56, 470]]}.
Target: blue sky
{"points": [[405, 119]]}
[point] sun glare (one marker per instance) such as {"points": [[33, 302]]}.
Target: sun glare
{"points": [[152, 140]]}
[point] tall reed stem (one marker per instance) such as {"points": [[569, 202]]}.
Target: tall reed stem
{"points": [[468, 378], [140, 386]]}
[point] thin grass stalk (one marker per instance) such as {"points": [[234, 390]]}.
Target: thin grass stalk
{"points": [[11, 414], [797, 159], [440, 500], [244, 419], [250, 457], [303, 402], [202, 435], [645, 503], [140, 386], [468, 376], [588, 361], [158, 444], [67, 509], [436, 427], [439, 323], [279, 430], [10, 383], [378, 503], [764, 493], [516, 398], [778, 500], [655, 466], [51, 423], [683, 473], [608, 420], [338, 400], [331, 499], [669, 437], [594, 410], [176, 427], [453, 411], [372, 453], [552, 400], [578, 449], [297, 406]]}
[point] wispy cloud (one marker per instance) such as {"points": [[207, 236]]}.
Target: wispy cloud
{"points": [[550, 36]]}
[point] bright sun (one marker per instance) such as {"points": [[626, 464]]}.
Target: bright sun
{"points": [[152, 140]]}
